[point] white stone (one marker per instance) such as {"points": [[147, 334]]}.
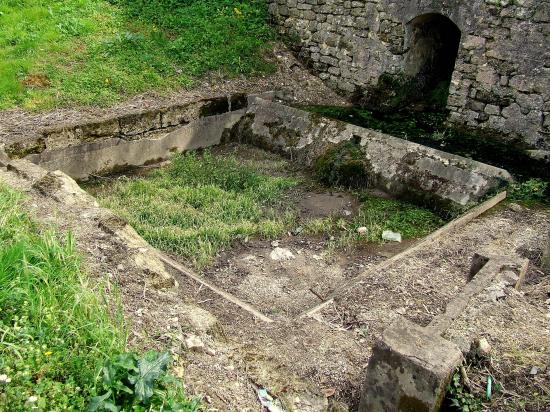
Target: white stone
{"points": [[391, 236], [281, 254], [363, 231], [483, 347], [194, 343]]}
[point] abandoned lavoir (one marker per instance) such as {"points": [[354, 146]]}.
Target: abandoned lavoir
{"points": [[383, 256]]}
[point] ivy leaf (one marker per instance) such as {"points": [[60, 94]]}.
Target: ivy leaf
{"points": [[150, 368], [126, 361], [109, 374]]}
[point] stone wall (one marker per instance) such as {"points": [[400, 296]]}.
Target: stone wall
{"points": [[501, 79]]}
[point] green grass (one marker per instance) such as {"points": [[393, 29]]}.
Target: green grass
{"points": [[56, 331], [377, 215], [200, 204], [96, 52]]}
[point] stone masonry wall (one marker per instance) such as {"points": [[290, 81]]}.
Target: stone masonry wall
{"points": [[501, 79]]}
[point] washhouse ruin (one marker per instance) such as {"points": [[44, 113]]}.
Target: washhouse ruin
{"points": [[490, 56], [268, 305]]}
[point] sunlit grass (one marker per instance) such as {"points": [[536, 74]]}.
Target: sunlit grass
{"points": [[200, 204], [96, 52]]}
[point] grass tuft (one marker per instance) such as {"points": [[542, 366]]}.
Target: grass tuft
{"points": [[57, 333], [377, 215], [200, 204], [55, 329]]}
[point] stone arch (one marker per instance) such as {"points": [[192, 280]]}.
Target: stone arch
{"points": [[433, 41]]}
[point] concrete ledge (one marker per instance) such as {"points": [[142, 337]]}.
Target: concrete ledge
{"points": [[411, 365], [132, 126], [395, 165], [108, 154], [408, 370], [490, 276]]}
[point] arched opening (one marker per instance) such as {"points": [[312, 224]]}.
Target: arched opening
{"points": [[433, 44]]}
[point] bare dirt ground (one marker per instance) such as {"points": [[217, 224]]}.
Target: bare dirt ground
{"points": [[291, 79]]}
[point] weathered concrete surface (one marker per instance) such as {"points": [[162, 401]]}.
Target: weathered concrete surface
{"points": [[501, 79], [128, 127], [408, 370], [105, 155], [395, 165]]}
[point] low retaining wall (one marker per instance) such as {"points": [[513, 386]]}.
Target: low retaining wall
{"points": [[107, 155], [394, 165], [131, 140], [397, 166]]}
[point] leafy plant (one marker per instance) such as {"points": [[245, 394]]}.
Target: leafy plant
{"points": [[133, 383], [530, 191], [459, 398]]}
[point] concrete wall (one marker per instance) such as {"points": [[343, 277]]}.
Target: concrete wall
{"points": [[501, 79], [395, 165], [136, 139], [106, 155]]}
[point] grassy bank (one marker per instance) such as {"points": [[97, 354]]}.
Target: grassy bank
{"points": [[97, 52], [57, 333]]}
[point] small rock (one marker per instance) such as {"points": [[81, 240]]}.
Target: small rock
{"points": [[534, 371], [317, 257], [275, 243], [346, 212], [391, 236], [483, 347], [281, 254], [194, 343], [514, 207], [401, 311], [363, 231]]}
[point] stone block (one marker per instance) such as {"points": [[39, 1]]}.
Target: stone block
{"points": [[409, 370], [545, 261]]}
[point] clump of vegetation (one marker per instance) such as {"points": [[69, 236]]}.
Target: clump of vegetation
{"points": [[378, 215], [55, 329], [459, 398], [200, 204], [133, 383], [343, 165], [97, 52], [530, 191]]}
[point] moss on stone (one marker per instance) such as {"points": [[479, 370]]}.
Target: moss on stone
{"points": [[343, 165]]}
